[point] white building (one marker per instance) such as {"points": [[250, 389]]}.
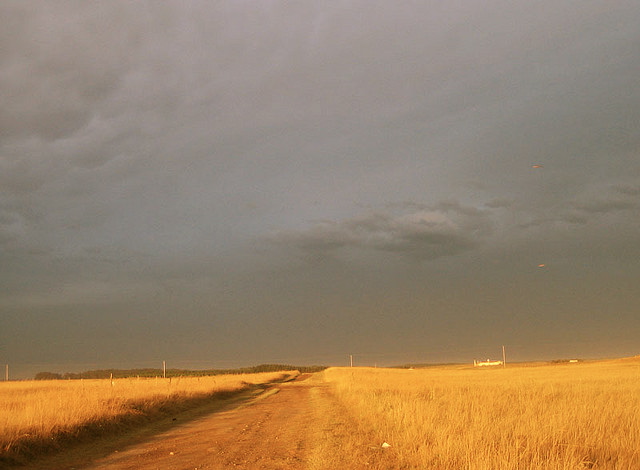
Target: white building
{"points": [[488, 362]]}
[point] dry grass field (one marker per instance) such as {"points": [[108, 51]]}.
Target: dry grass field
{"points": [[545, 416], [569, 416], [38, 415]]}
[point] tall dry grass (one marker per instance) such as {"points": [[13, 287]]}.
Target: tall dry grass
{"points": [[572, 416], [34, 415]]}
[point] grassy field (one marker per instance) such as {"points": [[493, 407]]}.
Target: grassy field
{"points": [[544, 416], [569, 416], [39, 415]]}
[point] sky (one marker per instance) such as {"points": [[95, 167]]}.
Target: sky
{"points": [[229, 183]]}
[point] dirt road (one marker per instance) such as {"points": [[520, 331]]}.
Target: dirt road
{"points": [[295, 425]]}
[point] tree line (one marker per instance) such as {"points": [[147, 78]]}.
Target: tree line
{"points": [[125, 373]]}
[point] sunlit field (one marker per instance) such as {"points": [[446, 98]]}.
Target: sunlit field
{"points": [[35, 413], [560, 416], [568, 416]]}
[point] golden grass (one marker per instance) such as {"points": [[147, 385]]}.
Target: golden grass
{"points": [[571, 416], [35, 415]]}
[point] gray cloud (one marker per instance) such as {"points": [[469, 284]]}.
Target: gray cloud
{"points": [[590, 207], [605, 206], [628, 189], [57, 80], [607, 199], [499, 203], [414, 230]]}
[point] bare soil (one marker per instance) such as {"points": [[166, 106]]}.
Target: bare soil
{"points": [[295, 425]]}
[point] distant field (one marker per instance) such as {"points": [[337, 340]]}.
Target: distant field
{"points": [[566, 416], [37, 415]]}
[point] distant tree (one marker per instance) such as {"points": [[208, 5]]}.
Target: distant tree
{"points": [[47, 376], [118, 373]]}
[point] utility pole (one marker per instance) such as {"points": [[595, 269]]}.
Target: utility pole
{"points": [[164, 369], [504, 358], [351, 359], [6, 372]]}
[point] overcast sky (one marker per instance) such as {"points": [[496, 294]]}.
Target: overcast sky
{"points": [[229, 183]]}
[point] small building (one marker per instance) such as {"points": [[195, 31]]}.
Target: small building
{"points": [[488, 362]]}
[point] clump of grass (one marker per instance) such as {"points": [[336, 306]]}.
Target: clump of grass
{"points": [[39, 416], [560, 416]]}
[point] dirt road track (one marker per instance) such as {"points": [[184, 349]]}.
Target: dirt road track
{"points": [[295, 425]]}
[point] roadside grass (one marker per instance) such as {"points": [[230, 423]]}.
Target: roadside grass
{"points": [[569, 416], [37, 417]]}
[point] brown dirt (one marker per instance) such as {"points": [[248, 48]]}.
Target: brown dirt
{"points": [[295, 425]]}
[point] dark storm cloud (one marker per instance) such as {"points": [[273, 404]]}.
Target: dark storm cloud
{"points": [[414, 230], [151, 153]]}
